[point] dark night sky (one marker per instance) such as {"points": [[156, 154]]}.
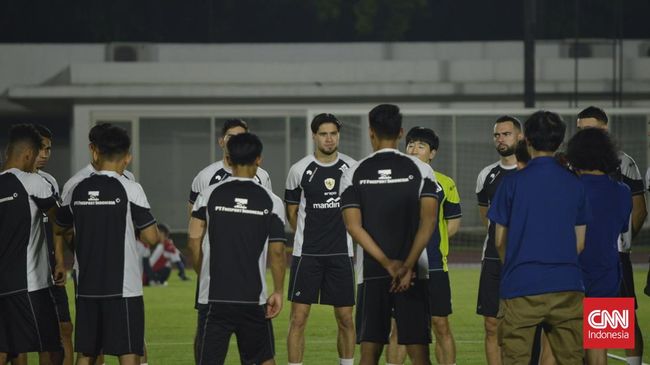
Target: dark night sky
{"points": [[312, 20]]}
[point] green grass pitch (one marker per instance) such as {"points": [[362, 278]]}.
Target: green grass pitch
{"points": [[171, 324]]}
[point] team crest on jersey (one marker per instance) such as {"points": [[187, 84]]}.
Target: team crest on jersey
{"points": [[330, 183], [385, 174], [93, 196], [241, 203]]}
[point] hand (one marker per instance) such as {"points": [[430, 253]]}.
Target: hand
{"points": [[273, 305], [59, 275], [403, 281], [393, 267]]}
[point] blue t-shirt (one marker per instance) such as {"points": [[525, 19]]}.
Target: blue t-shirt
{"points": [[611, 205], [540, 205]]}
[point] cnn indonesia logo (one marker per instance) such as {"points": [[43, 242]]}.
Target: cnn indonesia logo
{"points": [[608, 323]]}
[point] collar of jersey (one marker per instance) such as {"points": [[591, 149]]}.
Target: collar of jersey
{"points": [[108, 173], [338, 157], [231, 178], [506, 167]]}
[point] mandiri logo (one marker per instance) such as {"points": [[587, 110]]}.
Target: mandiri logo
{"points": [[608, 323]]}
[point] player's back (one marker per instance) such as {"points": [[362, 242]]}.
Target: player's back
{"points": [[106, 208], [242, 217], [387, 187], [22, 243]]}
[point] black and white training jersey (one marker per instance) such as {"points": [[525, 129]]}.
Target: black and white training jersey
{"points": [[387, 186], [216, 172], [314, 187], [23, 250], [242, 217], [85, 172], [105, 209], [486, 186], [630, 175]]}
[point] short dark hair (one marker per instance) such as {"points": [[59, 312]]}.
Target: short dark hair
{"points": [[593, 149], [96, 131], [426, 135], [24, 134], [509, 118], [44, 131], [594, 112], [113, 142], [323, 118], [232, 123], [244, 148], [544, 131], [162, 227], [385, 121], [521, 152]]}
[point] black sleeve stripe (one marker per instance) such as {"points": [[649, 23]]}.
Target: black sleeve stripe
{"points": [[141, 227], [45, 204], [431, 195], [481, 204], [291, 202], [199, 214], [193, 196], [351, 206], [277, 239], [453, 216]]}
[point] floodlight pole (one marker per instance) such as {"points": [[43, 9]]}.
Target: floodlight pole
{"points": [[530, 15]]}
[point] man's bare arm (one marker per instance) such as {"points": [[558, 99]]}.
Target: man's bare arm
{"points": [[453, 225], [195, 234], [292, 215], [580, 237], [482, 211], [639, 213], [277, 261], [501, 240], [149, 235]]}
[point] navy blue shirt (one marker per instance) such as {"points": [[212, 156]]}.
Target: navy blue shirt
{"points": [[611, 205], [540, 205]]}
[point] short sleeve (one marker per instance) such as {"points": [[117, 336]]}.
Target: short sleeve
{"points": [[64, 217], [199, 209], [196, 188], [349, 191], [140, 209], [41, 192], [451, 206], [626, 207], [631, 176], [501, 207], [276, 229], [293, 190]]}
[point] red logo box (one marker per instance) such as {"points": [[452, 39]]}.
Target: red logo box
{"points": [[608, 323]]}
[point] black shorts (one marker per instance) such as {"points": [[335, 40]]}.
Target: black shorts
{"points": [[218, 321], [322, 279], [376, 305], [439, 293], [28, 323], [627, 282], [488, 289], [112, 326], [60, 296]]}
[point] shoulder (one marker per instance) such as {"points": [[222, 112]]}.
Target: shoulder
{"points": [[629, 167], [48, 177], [347, 159], [129, 175], [486, 171], [208, 171], [300, 166], [260, 172]]}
